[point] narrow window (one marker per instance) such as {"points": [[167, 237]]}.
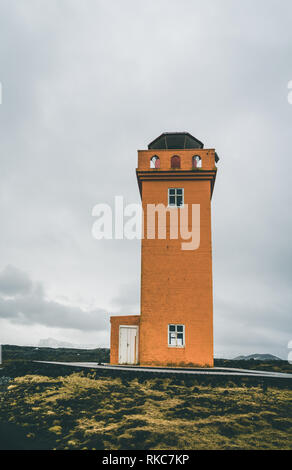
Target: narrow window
{"points": [[175, 162], [175, 197], [176, 336], [197, 161], [155, 162]]}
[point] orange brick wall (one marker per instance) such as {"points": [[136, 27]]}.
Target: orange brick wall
{"points": [[207, 157], [176, 285]]}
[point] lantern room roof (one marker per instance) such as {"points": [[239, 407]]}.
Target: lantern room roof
{"points": [[176, 140]]}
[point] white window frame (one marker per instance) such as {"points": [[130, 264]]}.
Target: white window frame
{"points": [[176, 332], [175, 195]]}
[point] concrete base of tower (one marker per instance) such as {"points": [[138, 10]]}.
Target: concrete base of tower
{"points": [[132, 343], [178, 342], [175, 357], [192, 365]]}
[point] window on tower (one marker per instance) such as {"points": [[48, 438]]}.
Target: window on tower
{"points": [[175, 197], [155, 162], [176, 336], [175, 162], [197, 161]]}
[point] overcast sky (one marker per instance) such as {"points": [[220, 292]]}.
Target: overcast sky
{"points": [[88, 82]]}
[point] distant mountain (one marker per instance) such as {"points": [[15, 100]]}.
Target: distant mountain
{"points": [[258, 357], [54, 343]]}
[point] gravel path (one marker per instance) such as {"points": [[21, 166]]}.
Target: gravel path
{"points": [[204, 371]]}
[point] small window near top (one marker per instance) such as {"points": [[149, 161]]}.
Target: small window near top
{"points": [[197, 162], [176, 336], [155, 162], [175, 162], [175, 197]]}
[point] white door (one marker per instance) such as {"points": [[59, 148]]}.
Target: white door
{"points": [[128, 345]]}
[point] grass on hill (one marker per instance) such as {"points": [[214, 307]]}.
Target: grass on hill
{"points": [[51, 407], [30, 353]]}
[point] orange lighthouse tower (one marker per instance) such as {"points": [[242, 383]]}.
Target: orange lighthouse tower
{"points": [[175, 327]]}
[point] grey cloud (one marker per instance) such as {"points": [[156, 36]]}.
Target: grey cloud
{"points": [[245, 327], [128, 299], [27, 304], [14, 281], [85, 84]]}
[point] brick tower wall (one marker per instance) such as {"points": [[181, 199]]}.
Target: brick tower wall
{"points": [[176, 285]]}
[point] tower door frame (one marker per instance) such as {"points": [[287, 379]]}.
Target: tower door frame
{"points": [[128, 344]]}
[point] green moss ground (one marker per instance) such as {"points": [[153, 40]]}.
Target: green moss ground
{"points": [[88, 411]]}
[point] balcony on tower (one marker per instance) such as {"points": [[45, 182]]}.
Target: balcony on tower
{"points": [[177, 151], [177, 155]]}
